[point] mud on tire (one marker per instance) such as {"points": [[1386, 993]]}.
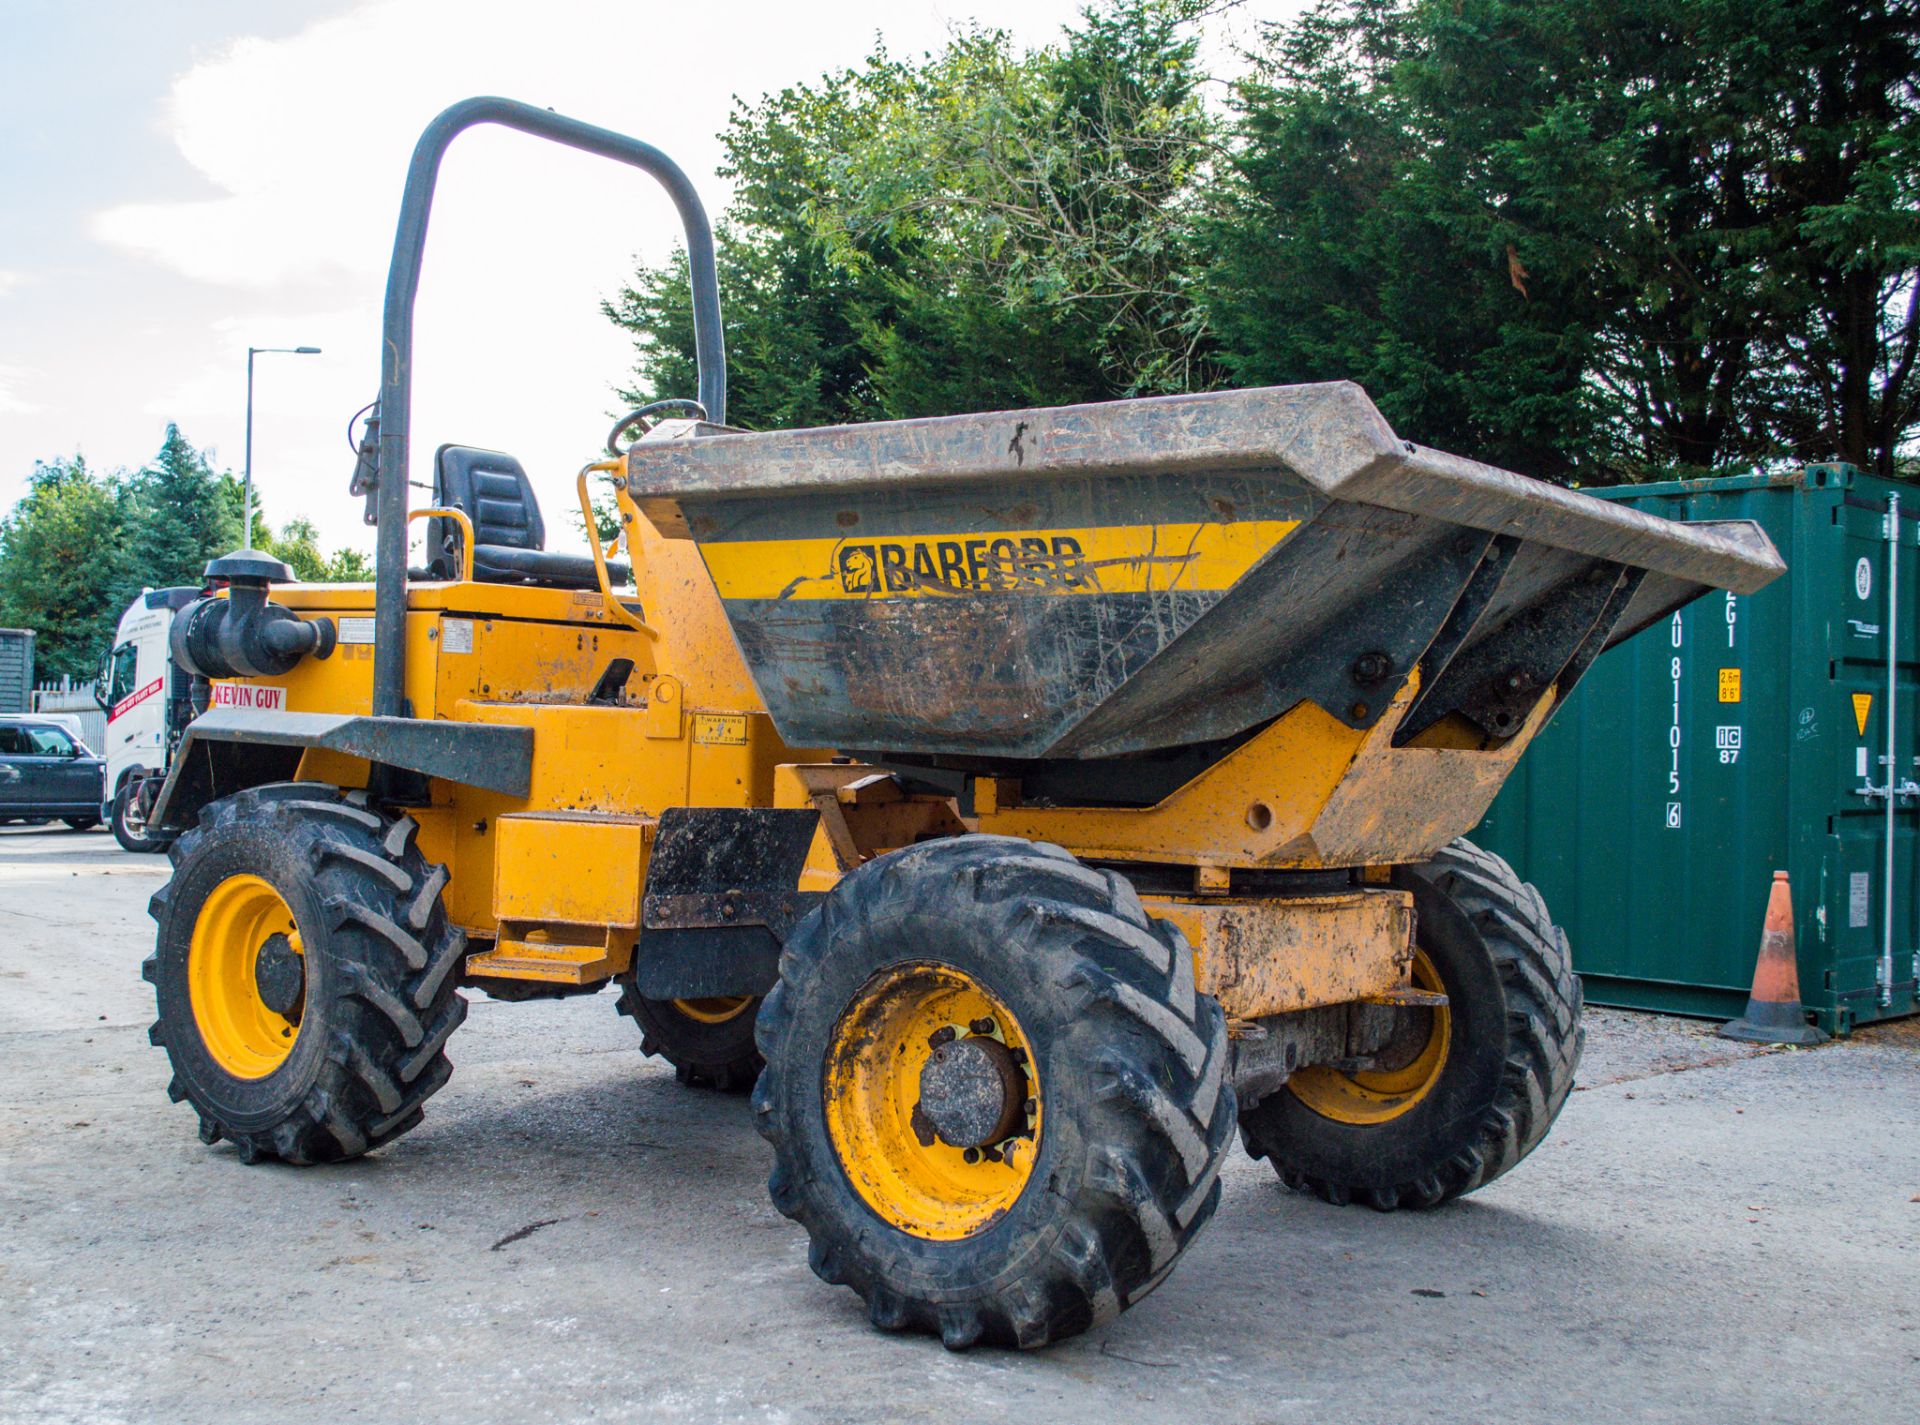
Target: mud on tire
{"points": [[1514, 1046], [707, 1050], [1131, 1072], [381, 970]]}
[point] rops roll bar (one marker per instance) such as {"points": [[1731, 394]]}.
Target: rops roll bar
{"points": [[396, 367]]}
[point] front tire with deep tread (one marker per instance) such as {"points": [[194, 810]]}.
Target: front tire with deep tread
{"points": [[1136, 1114], [380, 965], [1514, 1046]]}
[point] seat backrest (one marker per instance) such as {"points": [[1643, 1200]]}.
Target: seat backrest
{"points": [[493, 491]]}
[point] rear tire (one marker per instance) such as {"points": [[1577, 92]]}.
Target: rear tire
{"points": [[1083, 1002], [81, 823], [709, 1042], [305, 974], [1511, 1046]]}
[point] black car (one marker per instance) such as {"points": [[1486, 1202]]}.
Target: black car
{"points": [[46, 772]]}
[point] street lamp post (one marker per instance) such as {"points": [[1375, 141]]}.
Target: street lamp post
{"points": [[253, 351]]}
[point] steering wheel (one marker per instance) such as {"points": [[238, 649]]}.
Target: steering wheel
{"points": [[651, 409]]}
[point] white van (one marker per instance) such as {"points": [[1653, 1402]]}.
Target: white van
{"points": [[148, 702]]}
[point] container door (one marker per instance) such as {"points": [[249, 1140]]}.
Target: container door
{"points": [[1874, 638]]}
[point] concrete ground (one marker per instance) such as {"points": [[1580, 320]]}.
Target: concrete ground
{"points": [[1711, 1234]]}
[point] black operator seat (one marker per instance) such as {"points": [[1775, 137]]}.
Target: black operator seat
{"points": [[509, 537]]}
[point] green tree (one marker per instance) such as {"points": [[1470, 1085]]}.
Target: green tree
{"points": [[298, 545], [1846, 90], [793, 314], [80, 545], [64, 570], [1586, 239], [980, 228], [606, 518], [1050, 198], [183, 514]]}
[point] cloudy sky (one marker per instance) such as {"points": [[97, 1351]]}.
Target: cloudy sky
{"points": [[181, 180]]}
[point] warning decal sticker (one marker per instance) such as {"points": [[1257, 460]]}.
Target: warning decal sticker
{"points": [[723, 729], [1862, 705]]}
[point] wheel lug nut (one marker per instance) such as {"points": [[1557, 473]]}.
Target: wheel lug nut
{"points": [[1030, 1107], [972, 1155], [982, 1026], [942, 1035]]}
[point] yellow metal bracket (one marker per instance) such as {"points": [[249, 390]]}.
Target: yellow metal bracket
{"points": [[459, 517], [612, 605]]}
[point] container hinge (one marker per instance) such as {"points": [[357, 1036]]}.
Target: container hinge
{"points": [[1893, 789]]}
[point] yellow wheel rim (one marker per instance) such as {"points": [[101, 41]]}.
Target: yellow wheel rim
{"points": [[1379, 1095], [245, 1038], [907, 1174], [716, 1009]]}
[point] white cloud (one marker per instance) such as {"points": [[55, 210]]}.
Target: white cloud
{"points": [[303, 144], [10, 280], [12, 403]]}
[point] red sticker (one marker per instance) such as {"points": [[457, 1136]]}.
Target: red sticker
{"points": [[133, 700]]}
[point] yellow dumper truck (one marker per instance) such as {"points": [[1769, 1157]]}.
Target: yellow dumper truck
{"points": [[1021, 803]]}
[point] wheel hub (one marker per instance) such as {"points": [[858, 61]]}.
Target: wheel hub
{"points": [[246, 997], [1399, 1077], [280, 975], [972, 1092], [932, 1102]]}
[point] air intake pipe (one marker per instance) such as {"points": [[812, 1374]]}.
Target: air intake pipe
{"points": [[244, 635]]}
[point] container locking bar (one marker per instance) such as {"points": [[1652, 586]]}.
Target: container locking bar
{"points": [[1893, 790]]}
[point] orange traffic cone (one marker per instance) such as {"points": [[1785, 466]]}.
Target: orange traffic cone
{"points": [[1774, 1012]]}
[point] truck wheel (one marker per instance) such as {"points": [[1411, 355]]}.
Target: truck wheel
{"points": [[996, 1102], [305, 973], [1466, 1091], [129, 820], [708, 1041]]}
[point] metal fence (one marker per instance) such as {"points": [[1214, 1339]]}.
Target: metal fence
{"points": [[75, 700]]}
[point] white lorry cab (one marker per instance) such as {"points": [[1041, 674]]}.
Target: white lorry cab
{"points": [[148, 702]]}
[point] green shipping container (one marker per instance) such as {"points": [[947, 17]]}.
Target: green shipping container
{"points": [[1745, 735]]}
